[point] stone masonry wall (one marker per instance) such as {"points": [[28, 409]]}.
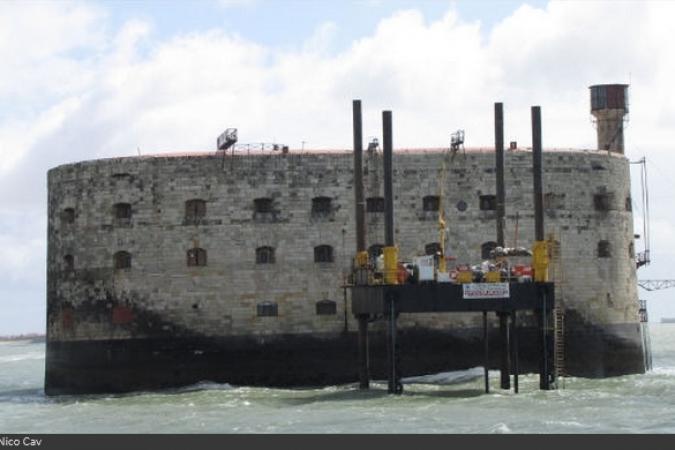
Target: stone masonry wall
{"points": [[161, 295]]}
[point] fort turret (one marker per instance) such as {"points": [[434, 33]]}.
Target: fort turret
{"points": [[609, 107]]}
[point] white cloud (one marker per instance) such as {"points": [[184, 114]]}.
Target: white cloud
{"points": [[72, 88]]}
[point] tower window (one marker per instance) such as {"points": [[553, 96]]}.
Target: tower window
{"points": [[631, 250], [267, 309], [195, 209], [431, 203], [321, 205], [69, 263], [488, 202], [122, 211], [122, 260], [323, 254], [68, 215], [375, 204], [629, 204], [196, 257], [486, 249], [604, 249], [263, 205], [264, 255], [326, 308]]}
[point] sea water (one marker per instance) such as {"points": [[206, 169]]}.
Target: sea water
{"points": [[627, 404]]}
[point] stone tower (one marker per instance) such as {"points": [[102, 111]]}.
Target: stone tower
{"points": [[609, 106]]}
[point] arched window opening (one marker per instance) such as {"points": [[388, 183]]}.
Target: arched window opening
{"points": [[267, 309], [431, 203], [69, 263], [604, 249], [196, 257], [122, 260], [326, 308], [122, 212], [375, 204], [323, 254], [321, 206], [195, 209], [488, 203], [264, 255], [68, 216]]}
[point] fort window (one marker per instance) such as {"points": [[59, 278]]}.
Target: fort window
{"points": [[68, 215], [264, 255], [631, 250], [323, 254], [433, 248], [488, 203], [554, 200], [601, 202], [122, 212], [461, 206], [263, 205], [195, 209], [431, 203], [375, 204], [374, 251], [196, 257], [321, 205], [69, 263], [486, 249], [267, 309], [604, 249], [326, 308], [629, 204], [122, 260]]}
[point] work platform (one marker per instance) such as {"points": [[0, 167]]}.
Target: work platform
{"points": [[506, 299]]}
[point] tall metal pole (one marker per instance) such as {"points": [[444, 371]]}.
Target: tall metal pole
{"points": [[486, 360], [361, 275], [358, 178], [537, 174], [499, 162], [514, 344], [388, 182], [505, 366], [540, 251], [364, 357]]}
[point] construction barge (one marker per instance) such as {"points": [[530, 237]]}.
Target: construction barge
{"points": [[238, 266]]}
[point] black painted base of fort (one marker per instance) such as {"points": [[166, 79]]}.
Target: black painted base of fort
{"points": [[116, 366]]}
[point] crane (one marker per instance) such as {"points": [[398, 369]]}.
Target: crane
{"points": [[656, 285]]}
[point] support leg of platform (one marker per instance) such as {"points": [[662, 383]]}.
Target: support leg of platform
{"points": [[486, 355], [514, 346], [364, 360], [505, 364], [395, 386], [544, 372]]}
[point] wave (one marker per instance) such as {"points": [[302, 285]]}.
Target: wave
{"points": [[22, 357], [454, 377]]}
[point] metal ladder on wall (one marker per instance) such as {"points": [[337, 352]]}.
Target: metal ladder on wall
{"points": [[558, 311], [559, 343]]}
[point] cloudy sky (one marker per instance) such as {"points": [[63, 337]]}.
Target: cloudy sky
{"points": [[85, 80]]}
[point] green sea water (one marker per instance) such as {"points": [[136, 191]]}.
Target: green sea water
{"points": [[627, 404]]}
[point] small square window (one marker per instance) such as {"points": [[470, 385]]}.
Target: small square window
{"points": [[431, 203], [375, 204], [488, 203]]}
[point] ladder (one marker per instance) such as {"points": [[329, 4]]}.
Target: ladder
{"points": [[559, 342]]}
